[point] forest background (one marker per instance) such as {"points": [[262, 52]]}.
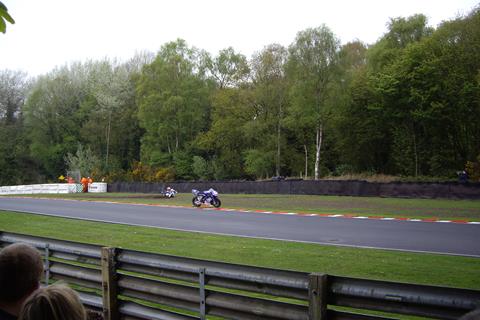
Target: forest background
{"points": [[407, 105]]}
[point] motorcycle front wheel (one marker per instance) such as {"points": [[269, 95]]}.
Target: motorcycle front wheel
{"points": [[196, 202], [216, 203]]}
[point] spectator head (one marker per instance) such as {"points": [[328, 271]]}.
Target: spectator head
{"points": [[55, 302], [21, 268], [473, 315]]}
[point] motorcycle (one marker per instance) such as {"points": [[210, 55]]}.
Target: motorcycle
{"points": [[209, 196], [170, 193]]}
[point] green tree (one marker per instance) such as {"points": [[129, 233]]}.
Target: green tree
{"points": [[13, 90], [401, 33], [16, 166], [225, 140], [258, 163], [270, 90], [110, 125], [376, 103], [200, 168], [312, 65], [4, 17], [83, 160], [227, 69], [223, 143], [52, 119], [173, 100], [431, 92]]}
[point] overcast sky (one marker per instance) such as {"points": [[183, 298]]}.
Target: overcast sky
{"points": [[51, 33]]}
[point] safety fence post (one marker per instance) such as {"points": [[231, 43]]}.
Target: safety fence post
{"points": [[47, 264], [109, 284], [317, 296], [201, 278]]}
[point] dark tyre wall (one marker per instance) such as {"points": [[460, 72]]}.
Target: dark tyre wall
{"points": [[450, 190]]}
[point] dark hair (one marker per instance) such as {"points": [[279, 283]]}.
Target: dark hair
{"points": [[55, 302], [472, 315], [21, 268]]}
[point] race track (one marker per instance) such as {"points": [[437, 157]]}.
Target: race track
{"points": [[445, 238]]}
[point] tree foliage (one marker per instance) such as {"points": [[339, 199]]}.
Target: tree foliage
{"points": [[313, 60], [4, 17], [83, 160], [404, 105], [173, 103]]}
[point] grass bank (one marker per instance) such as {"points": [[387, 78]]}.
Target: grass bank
{"points": [[430, 269]]}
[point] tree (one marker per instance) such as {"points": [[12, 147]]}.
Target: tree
{"points": [[83, 160], [4, 16], [200, 168], [222, 144], [15, 164], [401, 33], [430, 91], [13, 90], [258, 163], [52, 117], [110, 125], [226, 138], [227, 69], [312, 62], [173, 102], [270, 85]]}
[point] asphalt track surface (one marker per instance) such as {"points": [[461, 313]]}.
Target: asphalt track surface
{"points": [[444, 238]]}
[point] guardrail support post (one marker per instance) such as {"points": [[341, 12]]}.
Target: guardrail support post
{"points": [[201, 278], [317, 296], [47, 264], [109, 284]]}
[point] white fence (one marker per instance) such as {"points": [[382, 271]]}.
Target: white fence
{"points": [[52, 188]]}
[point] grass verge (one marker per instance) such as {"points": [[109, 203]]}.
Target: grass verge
{"points": [[443, 270]]}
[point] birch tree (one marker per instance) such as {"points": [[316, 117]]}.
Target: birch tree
{"points": [[228, 69], [312, 63], [112, 91]]}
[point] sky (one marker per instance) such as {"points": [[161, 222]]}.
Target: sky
{"points": [[52, 33]]}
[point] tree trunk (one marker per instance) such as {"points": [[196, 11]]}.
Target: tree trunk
{"points": [[415, 153], [168, 144], [108, 138], [318, 146], [278, 149], [176, 141], [306, 160]]}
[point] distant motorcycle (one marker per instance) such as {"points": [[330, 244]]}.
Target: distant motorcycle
{"points": [[209, 196], [170, 192]]}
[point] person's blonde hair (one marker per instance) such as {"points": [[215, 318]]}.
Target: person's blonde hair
{"points": [[55, 302]]}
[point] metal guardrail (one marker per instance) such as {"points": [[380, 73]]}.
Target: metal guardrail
{"points": [[127, 284]]}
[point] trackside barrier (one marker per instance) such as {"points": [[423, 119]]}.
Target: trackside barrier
{"points": [[127, 284], [356, 188], [50, 188], [97, 187]]}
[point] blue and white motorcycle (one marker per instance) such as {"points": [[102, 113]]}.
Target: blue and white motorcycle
{"points": [[170, 192], [209, 197]]}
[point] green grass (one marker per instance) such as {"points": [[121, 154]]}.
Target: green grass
{"points": [[368, 206], [453, 271]]}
